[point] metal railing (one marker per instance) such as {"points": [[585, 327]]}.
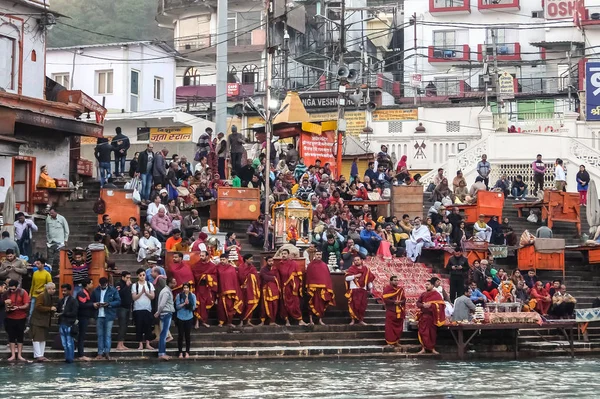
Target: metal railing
{"points": [[501, 49], [448, 3], [544, 85]]}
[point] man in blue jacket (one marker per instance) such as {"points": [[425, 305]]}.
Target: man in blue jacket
{"points": [[370, 239], [106, 301]]}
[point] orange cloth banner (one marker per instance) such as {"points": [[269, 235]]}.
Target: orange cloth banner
{"points": [[313, 147]]}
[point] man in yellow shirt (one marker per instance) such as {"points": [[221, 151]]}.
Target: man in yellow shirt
{"points": [[38, 281]]}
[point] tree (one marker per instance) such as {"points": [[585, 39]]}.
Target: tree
{"points": [[113, 20]]}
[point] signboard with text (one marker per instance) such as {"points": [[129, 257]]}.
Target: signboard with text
{"points": [[355, 120], [384, 115], [313, 147], [592, 91], [170, 134], [560, 9], [506, 86]]}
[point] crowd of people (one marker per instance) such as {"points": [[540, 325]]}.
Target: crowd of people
{"points": [[183, 292]]}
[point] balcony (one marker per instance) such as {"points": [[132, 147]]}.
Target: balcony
{"points": [[537, 86], [449, 7], [449, 53], [501, 5], [442, 90], [504, 52]]}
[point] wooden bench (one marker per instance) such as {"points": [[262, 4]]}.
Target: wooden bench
{"points": [[590, 252], [557, 206], [527, 205]]}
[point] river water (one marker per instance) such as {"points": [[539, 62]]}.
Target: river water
{"points": [[326, 378]]}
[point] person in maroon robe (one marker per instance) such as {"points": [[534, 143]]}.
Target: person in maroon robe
{"points": [[205, 279], [359, 282], [395, 312], [270, 288], [431, 316], [229, 302], [319, 287], [180, 271], [248, 279], [291, 280]]}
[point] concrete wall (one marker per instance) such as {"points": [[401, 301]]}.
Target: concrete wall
{"points": [[49, 150], [156, 62], [6, 174]]}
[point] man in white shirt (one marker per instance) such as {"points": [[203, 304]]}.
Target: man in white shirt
{"points": [[419, 236], [560, 177], [142, 294]]}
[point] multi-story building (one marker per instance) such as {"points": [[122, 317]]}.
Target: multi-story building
{"points": [[136, 83], [306, 36], [41, 121]]}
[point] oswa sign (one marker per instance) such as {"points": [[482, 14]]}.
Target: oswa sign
{"points": [[592, 91], [559, 9]]}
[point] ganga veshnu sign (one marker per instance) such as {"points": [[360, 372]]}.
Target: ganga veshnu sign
{"points": [[592, 91]]}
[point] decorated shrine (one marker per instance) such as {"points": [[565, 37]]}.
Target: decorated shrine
{"points": [[293, 221]]}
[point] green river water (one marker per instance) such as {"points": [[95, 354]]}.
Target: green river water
{"points": [[326, 378]]}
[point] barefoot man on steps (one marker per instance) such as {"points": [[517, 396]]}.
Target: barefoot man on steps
{"points": [[319, 287], [359, 282], [432, 315]]}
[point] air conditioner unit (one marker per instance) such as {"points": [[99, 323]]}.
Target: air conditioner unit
{"points": [[449, 54], [503, 50], [438, 54]]}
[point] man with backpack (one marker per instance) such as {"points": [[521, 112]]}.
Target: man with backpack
{"points": [[142, 294], [106, 301]]}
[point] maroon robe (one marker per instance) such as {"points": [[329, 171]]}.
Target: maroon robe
{"points": [[205, 277], [394, 313], [319, 287], [430, 318], [270, 288], [229, 293], [291, 280], [358, 297], [182, 272], [248, 279]]}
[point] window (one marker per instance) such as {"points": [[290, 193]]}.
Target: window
{"points": [[496, 34], [104, 82], [63, 79], [250, 75], [444, 39], [134, 90], [158, 88], [191, 77], [240, 26], [7, 62]]}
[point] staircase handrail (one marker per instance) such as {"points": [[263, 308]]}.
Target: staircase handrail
{"points": [[465, 161]]}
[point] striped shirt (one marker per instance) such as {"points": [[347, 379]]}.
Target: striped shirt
{"points": [[80, 273]]}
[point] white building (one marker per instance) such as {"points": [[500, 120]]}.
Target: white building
{"points": [[136, 82], [125, 77]]}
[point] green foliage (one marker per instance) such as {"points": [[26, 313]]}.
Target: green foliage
{"points": [[127, 20]]}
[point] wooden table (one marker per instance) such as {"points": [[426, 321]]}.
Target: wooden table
{"points": [[489, 203], [590, 252], [458, 333], [557, 206]]}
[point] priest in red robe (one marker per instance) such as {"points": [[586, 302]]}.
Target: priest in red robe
{"points": [[270, 289], [181, 272], [319, 287], [540, 299], [291, 280], [431, 316], [395, 312], [359, 282], [248, 280], [205, 278], [229, 302]]}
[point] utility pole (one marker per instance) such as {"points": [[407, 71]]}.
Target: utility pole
{"points": [[268, 121], [495, 54], [222, 67], [286, 53], [341, 123], [415, 89], [569, 76]]}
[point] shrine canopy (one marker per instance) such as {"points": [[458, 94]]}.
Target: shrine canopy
{"points": [[316, 139], [293, 221]]}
